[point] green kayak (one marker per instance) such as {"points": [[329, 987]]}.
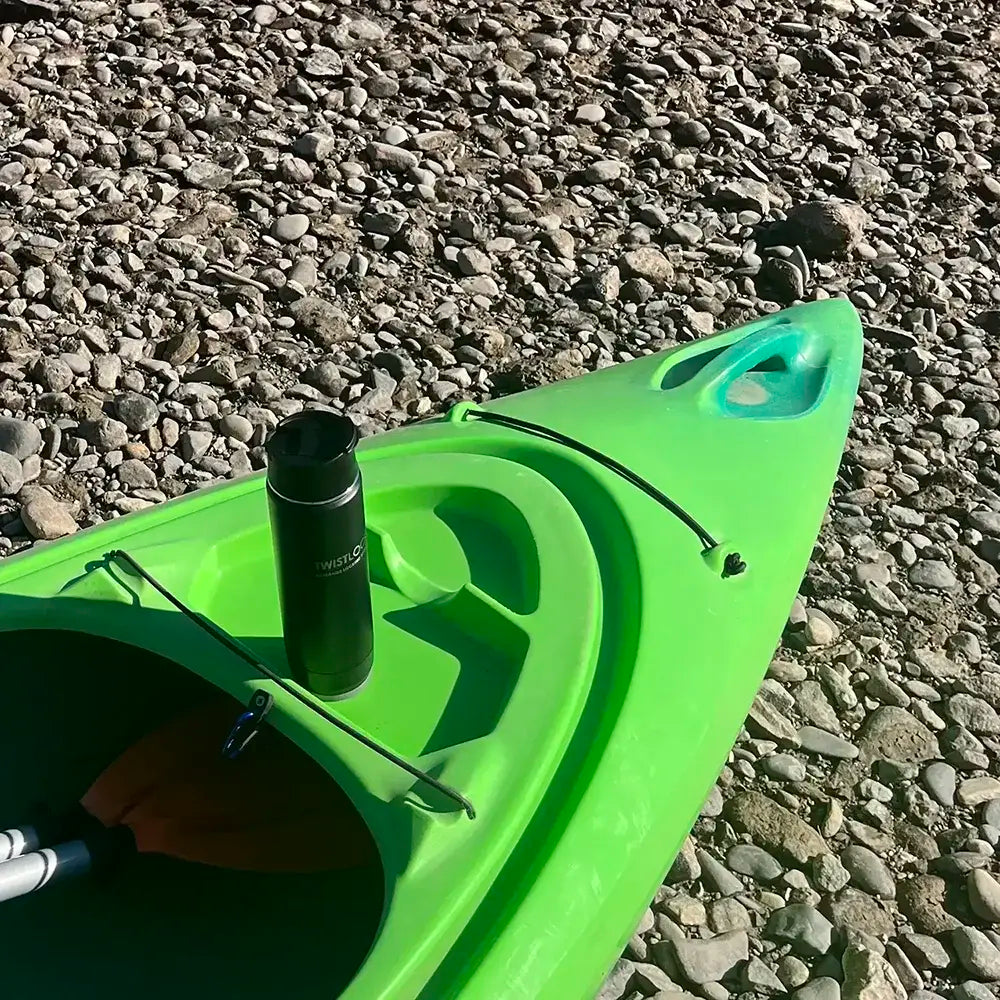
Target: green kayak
{"points": [[567, 653]]}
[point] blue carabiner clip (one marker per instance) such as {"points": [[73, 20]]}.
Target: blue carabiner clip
{"points": [[246, 727]]}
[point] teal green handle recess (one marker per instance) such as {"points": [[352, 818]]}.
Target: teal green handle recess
{"points": [[790, 343]]}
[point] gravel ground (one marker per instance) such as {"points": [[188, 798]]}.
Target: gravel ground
{"points": [[214, 214]]}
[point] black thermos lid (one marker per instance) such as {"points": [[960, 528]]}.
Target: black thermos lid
{"points": [[310, 456]]}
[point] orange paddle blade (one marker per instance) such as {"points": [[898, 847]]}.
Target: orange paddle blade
{"points": [[272, 808]]}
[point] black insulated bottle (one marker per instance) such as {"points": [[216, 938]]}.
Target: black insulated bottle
{"points": [[318, 524]]}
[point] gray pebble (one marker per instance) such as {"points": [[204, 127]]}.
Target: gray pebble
{"points": [[709, 961], [822, 988], [19, 438], [801, 926], [784, 767], [829, 874], [11, 475], [972, 991], [47, 519], [819, 741], [137, 412], [868, 872], [716, 876], [290, 228], [984, 895], [940, 781], [977, 953], [933, 574], [755, 862]]}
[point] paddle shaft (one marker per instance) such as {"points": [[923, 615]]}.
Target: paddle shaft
{"points": [[17, 841], [34, 870], [31, 872]]}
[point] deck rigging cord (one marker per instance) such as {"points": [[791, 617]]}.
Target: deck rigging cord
{"points": [[733, 564], [248, 723]]}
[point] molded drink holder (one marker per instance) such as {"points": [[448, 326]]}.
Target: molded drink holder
{"points": [[317, 516]]}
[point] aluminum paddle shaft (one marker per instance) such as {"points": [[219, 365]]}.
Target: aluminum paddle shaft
{"points": [[31, 872]]}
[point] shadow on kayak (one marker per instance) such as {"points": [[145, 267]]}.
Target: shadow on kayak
{"points": [[159, 927]]}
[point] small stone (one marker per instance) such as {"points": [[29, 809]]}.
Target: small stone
{"points": [[181, 348], [716, 876], [866, 180], [54, 374], [107, 371], [194, 444], [47, 519], [891, 733], [775, 827], [137, 412], [746, 194], [822, 988], [290, 228], [784, 767], [472, 261], [11, 475], [912, 25], [235, 426], [313, 147], [602, 172], [321, 321], [589, 114], [607, 284], [932, 574], [975, 714], [852, 910], [208, 176], [19, 438], [561, 243], [940, 780], [826, 229], [977, 953], [650, 264], [753, 862], [685, 233], [385, 155], [819, 741], [755, 975], [829, 874], [711, 960], [984, 895], [767, 718], [792, 972], [922, 898], [868, 976], [926, 952], [976, 791], [868, 872], [728, 914], [136, 475], [323, 62], [107, 434], [264, 14], [712, 806], [685, 867], [801, 926], [685, 910]]}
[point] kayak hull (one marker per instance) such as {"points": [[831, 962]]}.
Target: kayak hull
{"points": [[549, 640]]}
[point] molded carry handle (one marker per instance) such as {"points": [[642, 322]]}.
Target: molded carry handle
{"points": [[783, 340]]}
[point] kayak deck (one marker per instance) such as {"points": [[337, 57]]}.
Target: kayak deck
{"points": [[159, 928], [549, 641]]}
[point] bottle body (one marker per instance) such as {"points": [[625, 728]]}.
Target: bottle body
{"points": [[321, 556]]}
